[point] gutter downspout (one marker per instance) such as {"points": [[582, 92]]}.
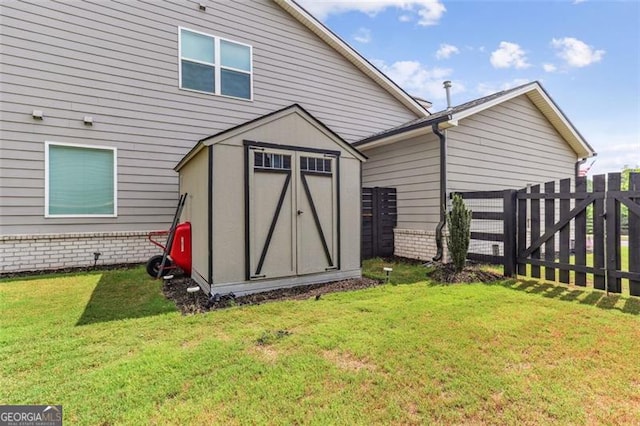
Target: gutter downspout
{"points": [[443, 187], [579, 163]]}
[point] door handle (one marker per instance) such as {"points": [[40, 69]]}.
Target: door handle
{"points": [[300, 212]]}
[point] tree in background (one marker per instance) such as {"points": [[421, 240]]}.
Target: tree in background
{"points": [[459, 224]]}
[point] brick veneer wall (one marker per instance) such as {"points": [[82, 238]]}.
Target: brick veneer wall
{"points": [[20, 253], [417, 244]]}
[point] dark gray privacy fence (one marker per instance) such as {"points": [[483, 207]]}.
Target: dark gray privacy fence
{"points": [[574, 231], [379, 217]]}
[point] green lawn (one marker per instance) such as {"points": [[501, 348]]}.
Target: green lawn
{"points": [[624, 266], [112, 350]]}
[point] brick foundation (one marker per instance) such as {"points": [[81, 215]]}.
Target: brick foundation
{"points": [[19, 253], [417, 244]]}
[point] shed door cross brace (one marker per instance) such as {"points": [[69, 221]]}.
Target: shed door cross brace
{"points": [[274, 222], [316, 219]]}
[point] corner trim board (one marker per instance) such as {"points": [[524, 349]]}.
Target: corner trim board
{"points": [[210, 218]]}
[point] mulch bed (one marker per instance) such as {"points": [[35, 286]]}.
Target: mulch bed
{"points": [[191, 303], [446, 274]]}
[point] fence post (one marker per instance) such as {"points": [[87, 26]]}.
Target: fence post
{"points": [[522, 230], [509, 232]]}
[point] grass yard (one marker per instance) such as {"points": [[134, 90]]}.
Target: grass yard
{"points": [[624, 266], [112, 350]]}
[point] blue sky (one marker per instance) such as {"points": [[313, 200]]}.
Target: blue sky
{"points": [[586, 53]]}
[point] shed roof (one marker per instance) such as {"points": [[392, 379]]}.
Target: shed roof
{"points": [[260, 121], [534, 91]]}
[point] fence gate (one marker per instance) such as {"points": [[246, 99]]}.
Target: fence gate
{"points": [[562, 248], [379, 217]]}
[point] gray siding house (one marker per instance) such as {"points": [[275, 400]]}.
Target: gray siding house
{"points": [[506, 140], [100, 100]]}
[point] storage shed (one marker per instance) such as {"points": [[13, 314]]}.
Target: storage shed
{"points": [[274, 202]]}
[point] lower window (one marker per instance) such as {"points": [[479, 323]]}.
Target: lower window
{"points": [[80, 180]]}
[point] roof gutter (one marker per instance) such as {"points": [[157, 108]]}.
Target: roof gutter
{"points": [[404, 133]]}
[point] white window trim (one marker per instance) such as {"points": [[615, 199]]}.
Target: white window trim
{"points": [[47, 144], [216, 65]]}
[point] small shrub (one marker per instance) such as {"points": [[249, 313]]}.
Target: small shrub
{"points": [[459, 223]]}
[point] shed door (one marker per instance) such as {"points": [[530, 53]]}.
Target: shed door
{"points": [[293, 227], [317, 213], [272, 214]]}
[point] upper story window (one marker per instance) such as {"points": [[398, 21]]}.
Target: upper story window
{"points": [[80, 180], [214, 65]]}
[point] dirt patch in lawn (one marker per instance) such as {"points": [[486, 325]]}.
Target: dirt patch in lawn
{"points": [[191, 303], [446, 273], [347, 361]]}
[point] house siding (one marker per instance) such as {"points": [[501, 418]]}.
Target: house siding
{"points": [[412, 167], [508, 146], [118, 63]]}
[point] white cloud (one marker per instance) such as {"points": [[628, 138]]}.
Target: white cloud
{"points": [[614, 155], [509, 55], [489, 88], [363, 35], [549, 67], [428, 12], [576, 53], [578, 1], [418, 79], [446, 50], [617, 146]]}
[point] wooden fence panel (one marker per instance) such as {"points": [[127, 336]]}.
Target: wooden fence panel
{"points": [[386, 214], [523, 239], [565, 232], [599, 185], [549, 220], [634, 237], [535, 229], [509, 232], [379, 218], [367, 224], [580, 242], [614, 283], [522, 230], [487, 209]]}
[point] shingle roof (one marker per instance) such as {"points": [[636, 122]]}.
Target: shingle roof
{"points": [[437, 117]]}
